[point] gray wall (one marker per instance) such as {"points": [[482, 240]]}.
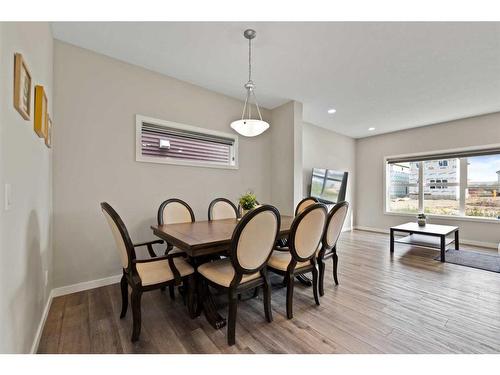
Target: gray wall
{"points": [[323, 148], [286, 156], [474, 131], [26, 164], [96, 99]]}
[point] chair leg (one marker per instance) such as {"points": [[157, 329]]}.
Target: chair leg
{"points": [[124, 289], [171, 289], [190, 286], [321, 267], [267, 301], [335, 264], [315, 284], [136, 313], [231, 321], [289, 295]]}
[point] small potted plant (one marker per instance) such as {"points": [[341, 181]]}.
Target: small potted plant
{"points": [[421, 220], [247, 202]]}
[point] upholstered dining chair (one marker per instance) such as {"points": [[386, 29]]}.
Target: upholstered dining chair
{"points": [[303, 241], [301, 206], [174, 211], [304, 203], [143, 275], [333, 228], [222, 208], [251, 245]]}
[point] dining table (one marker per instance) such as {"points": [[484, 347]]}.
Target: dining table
{"points": [[202, 241]]}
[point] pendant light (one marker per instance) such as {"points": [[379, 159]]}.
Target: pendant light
{"points": [[247, 126]]}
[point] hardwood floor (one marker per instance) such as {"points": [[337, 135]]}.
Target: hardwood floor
{"points": [[407, 303]]}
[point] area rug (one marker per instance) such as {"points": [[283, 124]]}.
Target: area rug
{"points": [[487, 262]]}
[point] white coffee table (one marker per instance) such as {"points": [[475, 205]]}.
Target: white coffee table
{"points": [[430, 235]]}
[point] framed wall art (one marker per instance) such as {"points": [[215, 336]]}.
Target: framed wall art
{"points": [[48, 137], [40, 123], [22, 87]]}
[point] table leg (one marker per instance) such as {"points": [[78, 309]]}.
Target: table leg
{"points": [[304, 280], [457, 243], [392, 241], [443, 248], [206, 301]]}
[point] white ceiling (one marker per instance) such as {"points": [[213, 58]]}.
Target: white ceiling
{"points": [[390, 76]]}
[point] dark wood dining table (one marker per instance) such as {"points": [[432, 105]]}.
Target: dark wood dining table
{"points": [[201, 241]]}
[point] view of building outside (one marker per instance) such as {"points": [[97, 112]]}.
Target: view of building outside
{"points": [[441, 187], [441, 190], [403, 194], [483, 186]]}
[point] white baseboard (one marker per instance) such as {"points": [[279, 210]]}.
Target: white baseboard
{"points": [[86, 285], [38, 334], [61, 291], [488, 245]]}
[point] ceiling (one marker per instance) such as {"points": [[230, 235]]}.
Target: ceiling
{"points": [[386, 75]]}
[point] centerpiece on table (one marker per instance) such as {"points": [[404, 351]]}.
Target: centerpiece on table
{"points": [[421, 220], [247, 202]]}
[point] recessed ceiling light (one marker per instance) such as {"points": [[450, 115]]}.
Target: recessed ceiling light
{"points": [[332, 111], [371, 129]]}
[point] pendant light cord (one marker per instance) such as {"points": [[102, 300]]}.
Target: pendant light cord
{"points": [[250, 90], [249, 59]]}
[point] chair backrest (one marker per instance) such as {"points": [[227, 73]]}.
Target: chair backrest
{"points": [[122, 239], [174, 211], [253, 239], [222, 208], [334, 224], [306, 232], [304, 203]]}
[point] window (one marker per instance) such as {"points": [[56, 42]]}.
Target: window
{"points": [[483, 186], [159, 141], [458, 183], [441, 197], [403, 194]]}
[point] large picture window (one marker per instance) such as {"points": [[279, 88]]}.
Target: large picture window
{"points": [[459, 184]]}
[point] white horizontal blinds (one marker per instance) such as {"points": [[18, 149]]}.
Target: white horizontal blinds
{"points": [[445, 155], [185, 145]]}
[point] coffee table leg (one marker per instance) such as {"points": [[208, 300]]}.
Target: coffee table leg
{"points": [[443, 248], [457, 243], [392, 241]]}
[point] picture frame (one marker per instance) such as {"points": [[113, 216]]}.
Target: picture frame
{"points": [[22, 87], [48, 137], [40, 122]]}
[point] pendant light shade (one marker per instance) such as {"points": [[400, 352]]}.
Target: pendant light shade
{"points": [[247, 126]]}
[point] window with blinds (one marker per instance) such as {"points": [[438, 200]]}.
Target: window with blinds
{"points": [[160, 141]]}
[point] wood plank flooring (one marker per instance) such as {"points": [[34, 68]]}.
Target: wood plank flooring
{"points": [[407, 303]]}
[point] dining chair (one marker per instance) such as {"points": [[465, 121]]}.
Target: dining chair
{"points": [[333, 228], [304, 203], [143, 275], [174, 211], [303, 242], [222, 208], [251, 245], [301, 206]]}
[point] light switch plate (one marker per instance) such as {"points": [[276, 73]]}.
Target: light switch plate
{"points": [[7, 197]]}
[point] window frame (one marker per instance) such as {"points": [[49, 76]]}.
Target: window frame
{"points": [[140, 119], [462, 184]]}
